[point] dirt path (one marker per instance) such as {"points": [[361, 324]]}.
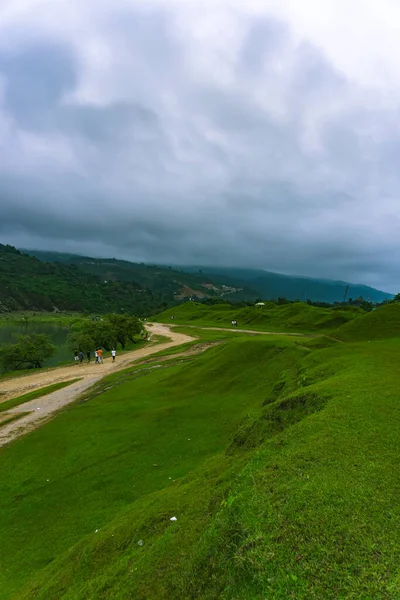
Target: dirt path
{"points": [[253, 331], [42, 409]]}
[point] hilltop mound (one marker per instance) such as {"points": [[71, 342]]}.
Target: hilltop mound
{"points": [[298, 316], [382, 323], [258, 469]]}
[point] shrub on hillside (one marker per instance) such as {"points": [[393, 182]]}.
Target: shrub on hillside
{"points": [[30, 351]]}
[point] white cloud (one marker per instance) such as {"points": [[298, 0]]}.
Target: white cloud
{"points": [[262, 133]]}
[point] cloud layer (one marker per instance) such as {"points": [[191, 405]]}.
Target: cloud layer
{"points": [[204, 132]]}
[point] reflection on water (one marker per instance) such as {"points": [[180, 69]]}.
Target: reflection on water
{"points": [[58, 335]]}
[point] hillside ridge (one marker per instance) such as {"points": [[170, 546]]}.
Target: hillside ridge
{"points": [[228, 282]]}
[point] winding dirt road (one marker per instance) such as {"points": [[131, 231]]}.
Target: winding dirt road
{"points": [[43, 409], [251, 331]]}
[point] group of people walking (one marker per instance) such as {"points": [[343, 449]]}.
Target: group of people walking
{"points": [[98, 356]]}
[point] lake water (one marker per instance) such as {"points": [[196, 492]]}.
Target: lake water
{"points": [[58, 336]]}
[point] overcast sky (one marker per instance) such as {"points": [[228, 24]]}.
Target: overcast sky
{"points": [[260, 133]]}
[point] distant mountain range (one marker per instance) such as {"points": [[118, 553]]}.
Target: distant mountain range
{"points": [[36, 280], [274, 285], [239, 283]]}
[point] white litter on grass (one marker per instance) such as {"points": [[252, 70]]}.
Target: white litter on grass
{"points": [[173, 519], [140, 543], [96, 531]]}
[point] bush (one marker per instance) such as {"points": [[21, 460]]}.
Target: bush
{"points": [[29, 352]]}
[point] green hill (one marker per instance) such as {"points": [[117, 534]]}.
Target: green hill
{"points": [[382, 323], [230, 283], [26, 283], [274, 285], [277, 459], [52, 281], [171, 284], [298, 316]]}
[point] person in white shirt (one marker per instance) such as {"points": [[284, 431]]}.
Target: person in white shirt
{"points": [[113, 354]]}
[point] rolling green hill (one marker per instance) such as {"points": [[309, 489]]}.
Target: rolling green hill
{"points": [[382, 323], [278, 460], [298, 316]]}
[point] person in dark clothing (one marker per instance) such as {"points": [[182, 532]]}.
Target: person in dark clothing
{"points": [[81, 357], [88, 356]]}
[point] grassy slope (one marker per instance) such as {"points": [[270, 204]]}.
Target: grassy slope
{"points": [[283, 475], [289, 317], [99, 455], [289, 491], [382, 323]]}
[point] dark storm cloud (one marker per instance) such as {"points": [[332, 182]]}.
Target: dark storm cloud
{"points": [[156, 136]]}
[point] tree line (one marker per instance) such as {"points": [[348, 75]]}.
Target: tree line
{"points": [[107, 332]]}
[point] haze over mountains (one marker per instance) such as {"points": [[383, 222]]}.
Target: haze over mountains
{"points": [[35, 280], [275, 285], [232, 283]]}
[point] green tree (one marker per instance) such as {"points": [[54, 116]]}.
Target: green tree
{"points": [[106, 332], [96, 334], [30, 351], [124, 328], [80, 340]]}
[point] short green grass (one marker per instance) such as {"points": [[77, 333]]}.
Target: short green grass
{"points": [[278, 456], [99, 454], [382, 323], [296, 317], [12, 418], [44, 391]]}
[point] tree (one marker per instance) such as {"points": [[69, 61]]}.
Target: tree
{"points": [[30, 351], [124, 328], [92, 335], [106, 332], [79, 340]]}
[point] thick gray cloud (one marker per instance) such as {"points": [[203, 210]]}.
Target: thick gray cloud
{"points": [[204, 133]]}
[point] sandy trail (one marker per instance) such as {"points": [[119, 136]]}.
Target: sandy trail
{"points": [[253, 331], [42, 409]]}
